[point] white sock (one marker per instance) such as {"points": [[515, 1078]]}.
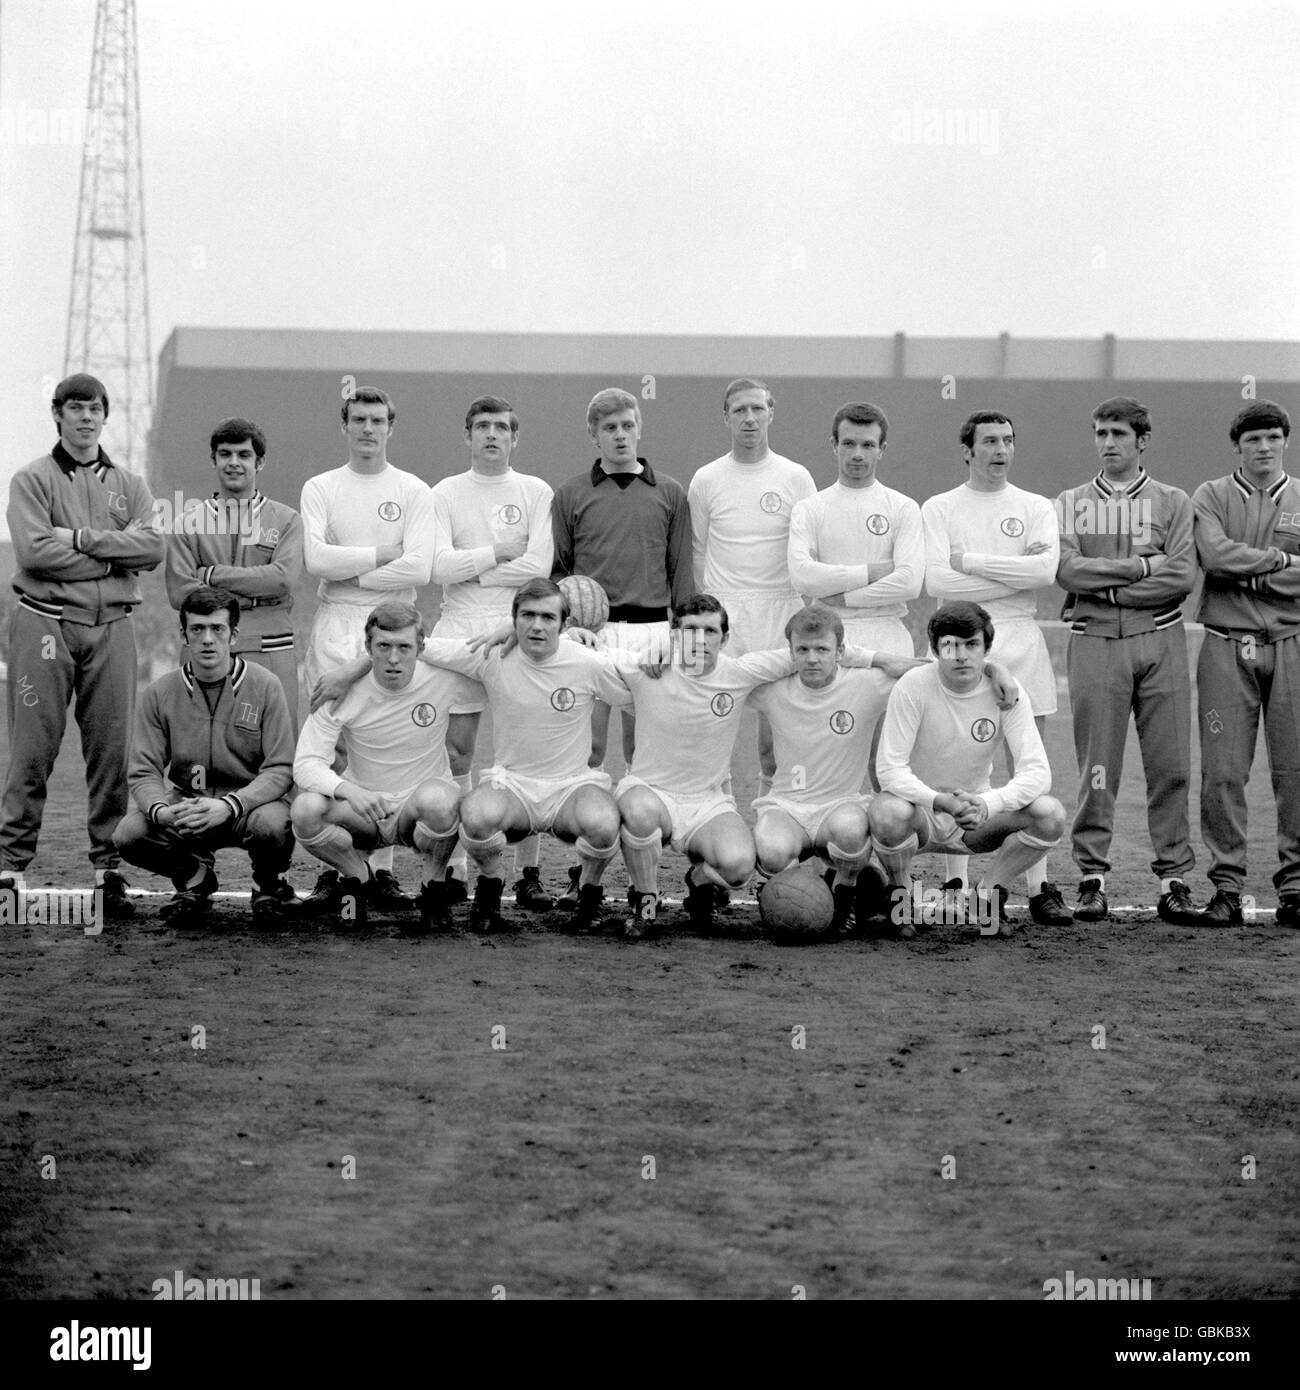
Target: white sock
{"points": [[592, 861], [896, 860], [957, 866], [434, 851], [459, 862], [487, 854], [382, 858], [1036, 876], [528, 853], [1018, 854], [641, 854], [333, 846]]}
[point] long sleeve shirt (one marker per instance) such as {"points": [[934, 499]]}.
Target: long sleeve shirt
{"points": [[346, 515], [837, 534], [994, 530], [935, 740], [1104, 529], [740, 524], [260, 566], [241, 752], [111, 515], [631, 533], [1248, 543], [472, 512]]}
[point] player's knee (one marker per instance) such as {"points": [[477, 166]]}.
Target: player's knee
{"points": [[308, 814], [890, 819], [736, 864], [128, 832], [599, 824], [435, 806], [772, 850], [480, 815], [1048, 818], [849, 829], [269, 824]]}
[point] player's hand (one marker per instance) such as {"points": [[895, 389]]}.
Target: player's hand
{"points": [[971, 811], [506, 551], [334, 685], [583, 636], [370, 805], [386, 554], [894, 666], [1006, 690], [1158, 561], [503, 636], [199, 814], [832, 600], [878, 570], [1037, 548], [63, 534], [955, 558]]}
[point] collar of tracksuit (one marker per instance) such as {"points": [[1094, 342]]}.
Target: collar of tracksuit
{"points": [[1108, 489], [238, 669], [599, 474], [1246, 487], [101, 463]]}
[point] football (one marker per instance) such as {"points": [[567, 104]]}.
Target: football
{"points": [[796, 905], [588, 603]]}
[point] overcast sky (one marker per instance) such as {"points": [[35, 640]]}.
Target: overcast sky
{"points": [[641, 167]]}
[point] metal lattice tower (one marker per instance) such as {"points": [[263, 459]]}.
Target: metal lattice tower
{"points": [[108, 314]]}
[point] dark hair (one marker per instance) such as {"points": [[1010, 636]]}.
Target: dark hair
{"points": [[814, 620], [80, 386], [1260, 415], [393, 616], [1127, 411], [491, 405], [540, 588], [369, 395], [701, 603], [860, 413], [960, 619], [204, 600], [746, 383], [983, 417], [234, 431]]}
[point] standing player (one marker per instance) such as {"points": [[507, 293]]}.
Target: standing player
{"points": [[211, 766], [368, 534], [858, 546], [1247, 530], [740, 506], [82, 530], [1127, 563], [628, 528], [398, 787], [990, 543], [248, 546], [942, 728], [491, 533]]}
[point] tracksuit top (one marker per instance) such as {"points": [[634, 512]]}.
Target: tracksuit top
{"points": [[1248, 543], [1100, 521], [93, 581], [242, 753], [260, 568]]}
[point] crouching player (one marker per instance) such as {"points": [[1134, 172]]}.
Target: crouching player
{"points": [[687, 721], [823, 720], [942, 730], [211, 766], [399, 788], [540, 693]]}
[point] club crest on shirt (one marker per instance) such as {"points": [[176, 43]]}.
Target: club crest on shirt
{"points": [[509, 515], [117, 502], [722, 704], [424, 714], [563, 698], [841, 722], [390, 511], [982, 730], [771, 502], [1012, 526], [877, 524]]}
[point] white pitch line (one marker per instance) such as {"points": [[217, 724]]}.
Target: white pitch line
{"points": [[1129, 910]]}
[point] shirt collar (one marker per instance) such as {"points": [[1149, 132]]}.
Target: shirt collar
{"points": [[100, 463], [646, 475], [1246, 487], [1109, 489]]}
